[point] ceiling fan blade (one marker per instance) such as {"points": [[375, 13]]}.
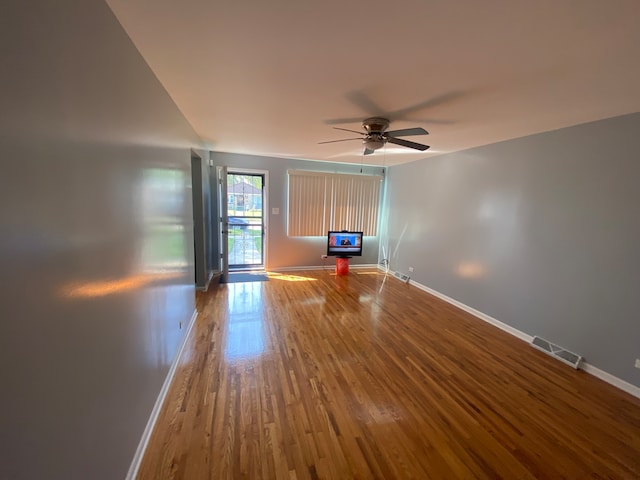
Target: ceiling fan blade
{"points": [[407, 143], [432, 102], [433, 121], [368, 151], [341, 121], [347, 130], [408, 131], [363, 101], [342, 140]]}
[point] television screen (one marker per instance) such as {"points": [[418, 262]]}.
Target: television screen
{"points": [[344, 244]]}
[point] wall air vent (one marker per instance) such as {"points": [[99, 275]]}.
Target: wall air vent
{"points": [[401, 276], [560, 353]]}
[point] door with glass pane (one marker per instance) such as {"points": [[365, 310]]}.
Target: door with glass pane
{"points": [[245, 214]]}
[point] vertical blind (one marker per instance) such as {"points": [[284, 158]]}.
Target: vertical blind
{"points": [[319, 202]]}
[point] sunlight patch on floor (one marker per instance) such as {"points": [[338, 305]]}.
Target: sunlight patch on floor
{"points": [[290, 278]]}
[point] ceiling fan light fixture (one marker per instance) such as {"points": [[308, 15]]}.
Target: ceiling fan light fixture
{"points": [[373, 142]]}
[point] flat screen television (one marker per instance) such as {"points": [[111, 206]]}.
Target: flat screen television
{"points": [[344, 244]]}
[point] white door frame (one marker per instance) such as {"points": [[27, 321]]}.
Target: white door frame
{"points": [[224, 220]]}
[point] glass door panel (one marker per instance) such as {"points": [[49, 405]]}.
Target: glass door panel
{"points": [[245, 198]]}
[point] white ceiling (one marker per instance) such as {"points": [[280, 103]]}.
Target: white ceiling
{"points": [[273, 77]]}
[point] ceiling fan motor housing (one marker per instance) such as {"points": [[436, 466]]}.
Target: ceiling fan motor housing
{"points": [[375, 124]]}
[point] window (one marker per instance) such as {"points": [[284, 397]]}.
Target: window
{"points": [[319, 202]]}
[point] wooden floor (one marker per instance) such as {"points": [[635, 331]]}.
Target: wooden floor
{"points": [[310, 376]]}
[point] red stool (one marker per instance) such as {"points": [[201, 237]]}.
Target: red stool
{"points": [[342, 266]]}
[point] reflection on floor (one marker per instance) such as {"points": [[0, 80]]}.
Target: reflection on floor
{"points": [[245, 334]]}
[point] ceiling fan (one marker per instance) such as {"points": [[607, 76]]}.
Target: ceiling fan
{"points": [[376, 135]]}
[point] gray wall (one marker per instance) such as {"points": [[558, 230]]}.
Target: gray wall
{"points": [[284, 251], [541, 233], [96, 241]]}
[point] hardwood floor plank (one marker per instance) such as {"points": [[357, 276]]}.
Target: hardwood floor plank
{"points": [[311, 376]]}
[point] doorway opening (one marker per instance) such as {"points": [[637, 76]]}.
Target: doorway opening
{"points": [[245, 205]]}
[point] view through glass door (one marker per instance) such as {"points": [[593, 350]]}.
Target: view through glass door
{"points": [[245, 200]]}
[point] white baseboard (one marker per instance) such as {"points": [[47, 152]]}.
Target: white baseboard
{"points": [[482, 316], [294, 269], [146, 435], [615, 381], [327, 266], [596, 372], [208, 282], [364, 266]]}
